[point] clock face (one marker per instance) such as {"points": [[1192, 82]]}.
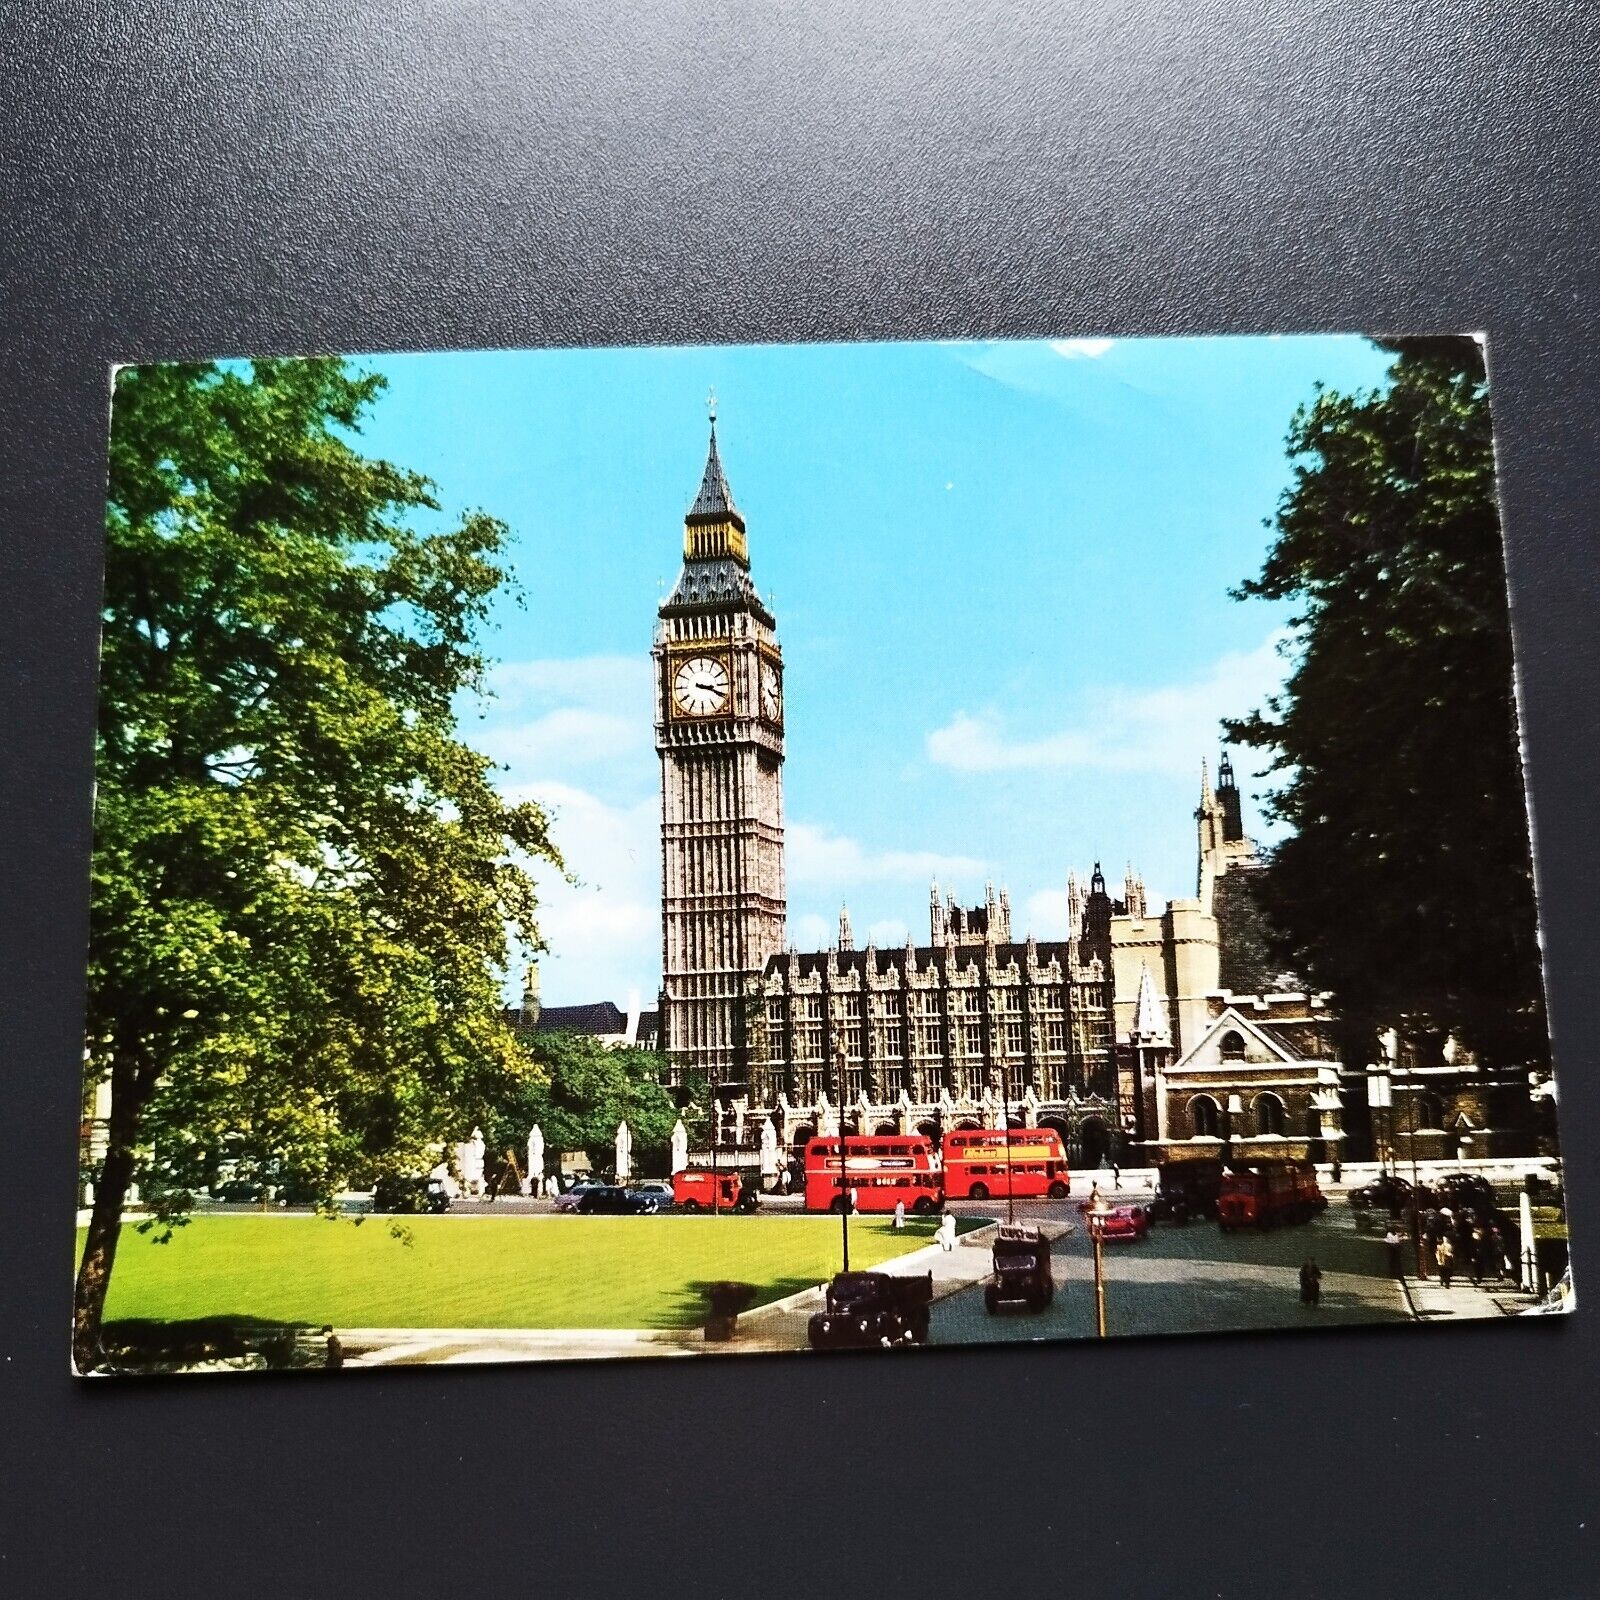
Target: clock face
{"points": [[771, 692], [700, 687]]}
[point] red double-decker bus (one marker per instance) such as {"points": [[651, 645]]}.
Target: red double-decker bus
{"points": [[980, 1162], [880, 1171]]}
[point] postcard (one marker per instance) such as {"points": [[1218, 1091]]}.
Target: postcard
{"points": [[664, 852]]}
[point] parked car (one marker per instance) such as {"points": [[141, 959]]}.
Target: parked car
{"points": [[1121, 1222], [612, 1200], [1186, 1189], [1388, 1192], [656, 1189], [409, 1196], [1464, 1191], [571, 1199], [867, 1309]]}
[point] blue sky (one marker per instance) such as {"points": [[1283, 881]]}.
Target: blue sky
{"points": [[1000, 573]]}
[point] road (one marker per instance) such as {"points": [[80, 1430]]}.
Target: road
{"points": [[1192, 1279]]}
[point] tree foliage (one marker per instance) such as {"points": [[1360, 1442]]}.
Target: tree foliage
{"points": [[302, 878], [577, 1091], [1405, 887]]}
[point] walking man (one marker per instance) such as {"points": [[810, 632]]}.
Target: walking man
{"points": [[1393, 1243], [1310, 1283], [1444, 1258], [947, 1231]]}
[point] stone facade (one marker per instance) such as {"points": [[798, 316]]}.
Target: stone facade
{"points": [[719, 735], [943, 1034], [1143, 1035]]}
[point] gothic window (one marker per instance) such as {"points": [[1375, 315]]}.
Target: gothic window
{"points": [[1233, 1046], [850, 1024], [930, 1030], [1269, 1114], [808, 1029], [1055, 1037], [1205, 1117]]}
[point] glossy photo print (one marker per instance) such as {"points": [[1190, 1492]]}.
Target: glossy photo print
{"points": [[665, 852]]}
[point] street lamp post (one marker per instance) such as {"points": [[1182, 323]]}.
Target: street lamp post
{"points": [[1005, 1122], [1095, 1215], [841, 1061]]}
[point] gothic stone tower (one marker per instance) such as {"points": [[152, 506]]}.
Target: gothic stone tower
{"points": [[719, 732]]}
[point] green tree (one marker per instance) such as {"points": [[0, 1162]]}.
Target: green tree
{"points": [[1405, 887], [578, 1090], [302, 878]]}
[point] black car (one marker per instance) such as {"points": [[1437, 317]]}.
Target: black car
{"points": [[1389, 1193], [866, 1310], [1464, 1191], [1186, 1189], [612, 1200], [1022, 1274]]}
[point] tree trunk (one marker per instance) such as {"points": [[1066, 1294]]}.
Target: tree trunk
{"points": [[105, 1228]]}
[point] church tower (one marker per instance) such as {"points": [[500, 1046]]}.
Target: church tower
{"points": [[719, 733]]}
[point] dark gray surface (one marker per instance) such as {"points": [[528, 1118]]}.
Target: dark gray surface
{"points": [[186, 180]]}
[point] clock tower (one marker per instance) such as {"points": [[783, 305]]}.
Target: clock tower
{"points": [[719, 733]]}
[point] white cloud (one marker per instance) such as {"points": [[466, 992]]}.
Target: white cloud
{"points": [[812, 932], [1165, 729], [888, 934], [815, 857], [595, 681], [1081, 349], [1044, 914], [572, 736], [604, 932]]}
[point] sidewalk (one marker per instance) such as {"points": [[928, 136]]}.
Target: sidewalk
{"points": [[1430, 1301]]}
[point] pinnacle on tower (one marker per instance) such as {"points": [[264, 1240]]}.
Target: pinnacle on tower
{"points": [[847, 939], [1149, 1016], [713, 526], [715, 498]]}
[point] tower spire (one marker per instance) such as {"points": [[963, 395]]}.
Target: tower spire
{"points": [[715, 499]]}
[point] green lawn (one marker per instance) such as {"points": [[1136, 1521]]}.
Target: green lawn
{"points": [[481, 1272]]}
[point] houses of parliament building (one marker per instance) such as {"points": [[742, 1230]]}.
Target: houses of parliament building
{"points": [[1141, 1030]]}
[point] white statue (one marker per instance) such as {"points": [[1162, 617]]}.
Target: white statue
{"points": [[769, 1149], [624, 1149], [535, 1179], [469, 1158], [680, 1147]]}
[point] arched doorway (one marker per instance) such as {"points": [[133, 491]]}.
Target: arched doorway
{"points": [[803, 1135], [1093, 1143], [886, 1130], [929, 1130]]}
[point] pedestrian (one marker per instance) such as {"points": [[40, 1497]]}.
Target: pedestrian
{"points": [[1482, 1262], [1393, 1243], [855, 1200], [947, 1231], [1310, 1283], [899, 1215], [1116, 1176], [1444, 1259], [335, 1349]]}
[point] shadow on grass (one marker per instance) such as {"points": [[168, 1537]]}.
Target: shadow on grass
{"points": [[690, 1304], [139, 1346]]}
